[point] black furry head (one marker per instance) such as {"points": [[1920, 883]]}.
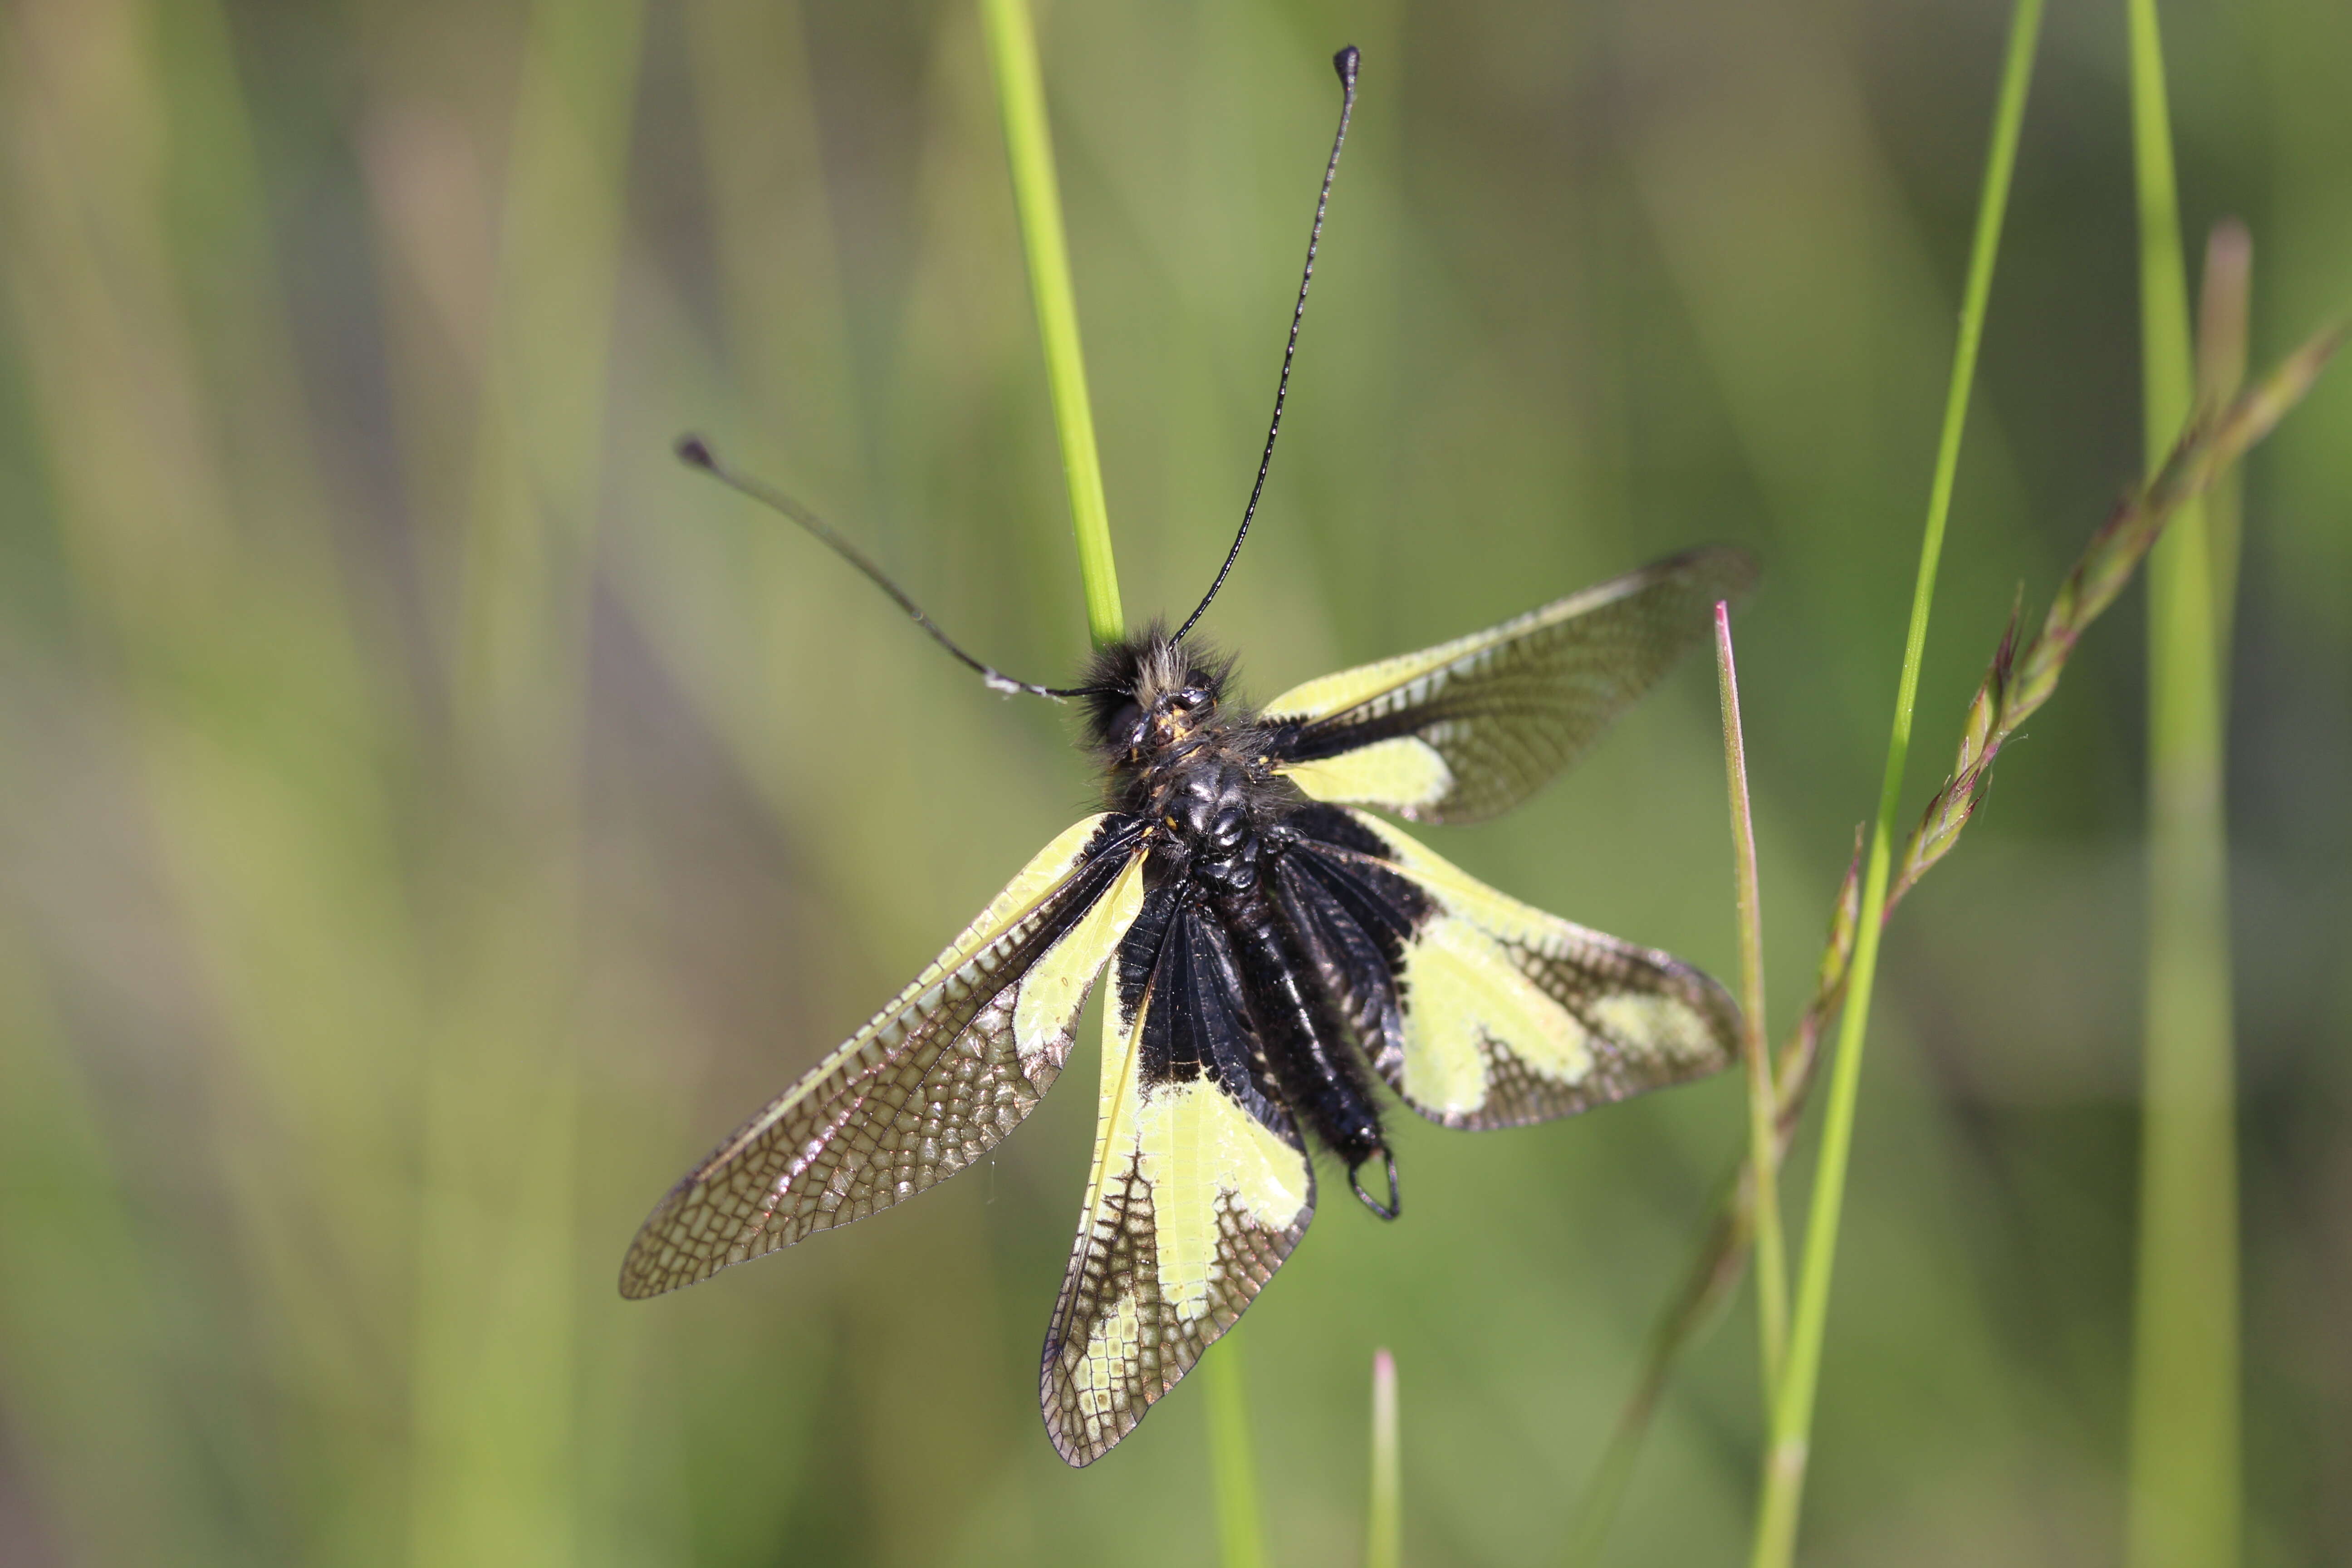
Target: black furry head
{"points": [[1147, 676]]}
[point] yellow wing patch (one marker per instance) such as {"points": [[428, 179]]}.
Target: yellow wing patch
{"points": [[1191, 1205], [1056, 986], [1670, 1024], [1514, 1016], [1466, 996], [1401, 772], [1207, 1159]]}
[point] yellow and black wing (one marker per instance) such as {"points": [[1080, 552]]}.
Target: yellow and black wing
{"points": [[1472, 727], [932, 1083], [1493, 1014], [1200, 1187]]}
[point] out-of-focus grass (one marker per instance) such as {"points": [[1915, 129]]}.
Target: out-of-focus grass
{"points": [[1232, 1462], [282, 896], [103, 1426], [2186, 1456], [498, 1473]]}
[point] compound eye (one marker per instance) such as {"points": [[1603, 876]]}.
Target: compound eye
{"points": [[1126, 723], [1191, 697]]}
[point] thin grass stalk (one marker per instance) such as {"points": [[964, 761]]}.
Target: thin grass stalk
{"points": [[1240, 1535], [1782, 1486], [2184, 1504], [1028, 145], [2221, 336], [1385, 1530], [1763, 1144]]}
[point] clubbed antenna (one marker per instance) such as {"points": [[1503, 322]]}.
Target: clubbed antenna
{"points": [[694, 450], [1344, 62]]}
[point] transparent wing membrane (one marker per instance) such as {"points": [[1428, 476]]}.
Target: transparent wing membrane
{"points": [[1470, 728], [936, 1078]]}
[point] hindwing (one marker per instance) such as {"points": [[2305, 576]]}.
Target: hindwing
{"points": [[1200, 1187], [932, 1082], [1497, 1013], [1472, 727]]}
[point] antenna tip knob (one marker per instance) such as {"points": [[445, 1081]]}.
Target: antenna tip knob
{"points": [[693, 449], [1344, 62]]}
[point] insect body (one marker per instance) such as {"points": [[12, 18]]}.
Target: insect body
{"points": [[1280, 959]]}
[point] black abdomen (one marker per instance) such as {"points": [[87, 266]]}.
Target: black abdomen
{"points": [[1244, 995], [1305, 1043]]}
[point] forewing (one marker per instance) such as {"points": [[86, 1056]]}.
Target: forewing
{"points": [[1470, 728], [1201, 1187], [932, 1082], [1510, 1015]]}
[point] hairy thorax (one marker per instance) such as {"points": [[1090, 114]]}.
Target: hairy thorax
{"points": [[1188, 762], [1203, 793]]}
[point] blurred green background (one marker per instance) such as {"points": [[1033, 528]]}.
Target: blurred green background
{"points": [[429, 817]]}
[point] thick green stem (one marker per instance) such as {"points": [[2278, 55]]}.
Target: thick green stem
{"points": [[1782, 1487], [1028, 145], [2184, 1477]]}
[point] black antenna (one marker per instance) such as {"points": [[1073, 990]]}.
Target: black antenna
{"points": [[1344, 62], [693, 449]]}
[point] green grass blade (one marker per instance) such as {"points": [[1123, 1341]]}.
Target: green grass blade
{"points": [[2184, 1475], [1782, 1487], [1384, 1533], [1028, 144], [1763, 1101]]}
